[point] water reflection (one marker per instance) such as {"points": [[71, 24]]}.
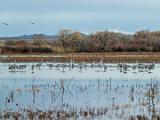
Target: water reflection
{"points": [[79, 93]]}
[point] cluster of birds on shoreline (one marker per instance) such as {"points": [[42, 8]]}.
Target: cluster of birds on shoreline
{"points": [[123, 67], [140, 66]]}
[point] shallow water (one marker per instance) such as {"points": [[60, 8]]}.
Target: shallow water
{"points": [[116, 94]]}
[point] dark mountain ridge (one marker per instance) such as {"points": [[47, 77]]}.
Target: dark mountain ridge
{"points": [[29, 37]]}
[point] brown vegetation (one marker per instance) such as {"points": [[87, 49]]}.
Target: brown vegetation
{"points": [[87, 57], [69, 41]]}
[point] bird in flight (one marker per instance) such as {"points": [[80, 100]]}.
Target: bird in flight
{"points": [[32, 23], [5, 24]]}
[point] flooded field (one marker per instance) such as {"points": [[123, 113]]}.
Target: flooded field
{"points": [[84, 91]]}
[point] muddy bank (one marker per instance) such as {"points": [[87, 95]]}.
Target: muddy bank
{"points": [[87, 57]]}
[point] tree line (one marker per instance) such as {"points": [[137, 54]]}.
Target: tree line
{"points": [[69, 41]]}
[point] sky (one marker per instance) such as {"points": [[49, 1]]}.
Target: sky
{"points": [[86, 16]]}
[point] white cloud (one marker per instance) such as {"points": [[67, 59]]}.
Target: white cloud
{"points": [[121, 31]]}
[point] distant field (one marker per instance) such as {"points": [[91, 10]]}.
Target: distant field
{"points": [[87, 57]]}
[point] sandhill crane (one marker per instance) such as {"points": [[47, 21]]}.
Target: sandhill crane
{"points": [[6, 24], [93, 64], [38, 65], [150, 67], [123, 67], [105, 68], [32, 23], [22, 67], [80, 66], [134, 68], [50, 65], [63, 67], [12, 67], [32, 68]]}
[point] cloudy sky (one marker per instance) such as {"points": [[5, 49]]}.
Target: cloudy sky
{"points": [[82, 15]]}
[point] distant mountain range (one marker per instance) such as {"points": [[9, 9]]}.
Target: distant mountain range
{"points": [[29, 37]]}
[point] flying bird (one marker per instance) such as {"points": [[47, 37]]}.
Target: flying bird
{"points": [[5, 24], [32, 23]]}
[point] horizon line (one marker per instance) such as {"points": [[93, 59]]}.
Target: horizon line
{"points": [[87, 32]]}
